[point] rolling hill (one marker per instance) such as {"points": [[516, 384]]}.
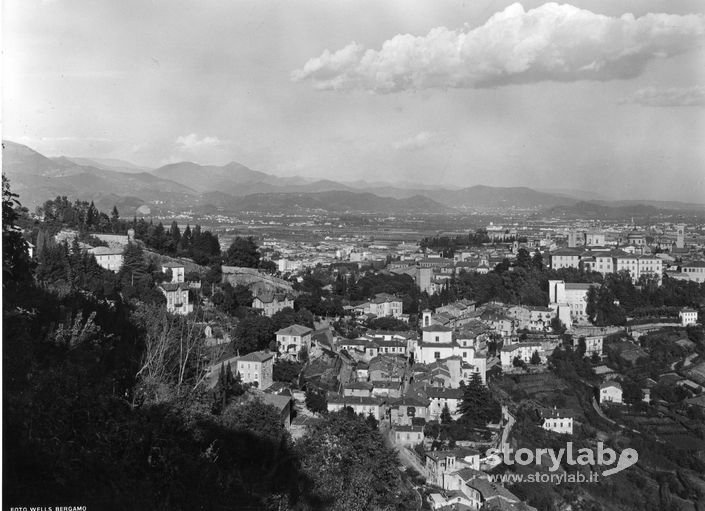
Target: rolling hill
{"points": [[37, 178], [236, 188]]}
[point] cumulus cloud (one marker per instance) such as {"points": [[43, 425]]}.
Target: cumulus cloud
{"points": [[551, 42], [193, 143], [418, 141], [668, 97]]}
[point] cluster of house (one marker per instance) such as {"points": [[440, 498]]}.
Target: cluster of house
{"points": [[407, 379], [271, 301], [633, 253], [459, 473], [462, 485], [607, 260], [431, 272], [382, 305]]}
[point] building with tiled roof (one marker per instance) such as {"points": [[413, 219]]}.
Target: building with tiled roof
{"points": [[108, 258], [177, 297], [557, 420], [270, 301], [257, 367], [611, 392], [293, 340], [360, 404]]}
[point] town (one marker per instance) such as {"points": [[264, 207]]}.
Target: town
{"points": [[400, 255], [447, 346]]}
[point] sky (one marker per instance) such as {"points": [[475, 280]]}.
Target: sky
{"points": [[599, 95]]}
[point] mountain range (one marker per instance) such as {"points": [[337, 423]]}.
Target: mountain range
{"points": [[235, 188]]}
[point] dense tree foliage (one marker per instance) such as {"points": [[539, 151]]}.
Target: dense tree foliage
{"points": [[242, 252], [253, 333], [478, 406], [448, 246], [15, 259], [202, 247], [287, 371], [232, 300], [316, 400], [388, 323], [351, 467], [105, 406]]}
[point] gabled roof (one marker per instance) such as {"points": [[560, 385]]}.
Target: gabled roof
{"points": [[608, 384], [437, 328], [276, 400], [335, 398], [256, 356], [106, 251], [172, 265], [444, 393], [577, 286], [567, 252], [408, 401], [694, 264], [294, 330]]}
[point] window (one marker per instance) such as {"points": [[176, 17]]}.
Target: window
{"points": [[438, 339], [436, 354]]}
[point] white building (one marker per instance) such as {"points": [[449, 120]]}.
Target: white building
{"points": [[287, 265], [383, 305], [293, 339], [569, 300], [270, 302], [565, 258], [108, 258], [408, 435], [361, 405], [611, 392], [558, 421], [688, 317], [524, 351], [257, 367], [443, 396], [695, 271], [593, 345], [177, 271], [177, 297]]}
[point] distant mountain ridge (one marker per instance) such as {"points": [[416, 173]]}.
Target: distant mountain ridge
{"points": [[235, 188], [238, 180]]}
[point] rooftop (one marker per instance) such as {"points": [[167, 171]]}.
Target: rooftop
{"points": [[106, 251], [257, 356], [295, 330]]}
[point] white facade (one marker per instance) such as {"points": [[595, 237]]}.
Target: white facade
{"points": [[524, 351], [593, 345], [558, 423], [573, 296], [177, 298], [565, 259], [694, 271], [611, 392], [270, 305], [256, 368], [688, 317], [177, 272], [108, 258], [293, 339]]}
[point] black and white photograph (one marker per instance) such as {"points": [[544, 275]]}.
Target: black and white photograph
{"points": [[350, 255]]}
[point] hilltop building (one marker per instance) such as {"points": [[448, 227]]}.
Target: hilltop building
{"points": [[257, 367], [271, 302], [176, 291], [294, 339], [108, 258]]}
